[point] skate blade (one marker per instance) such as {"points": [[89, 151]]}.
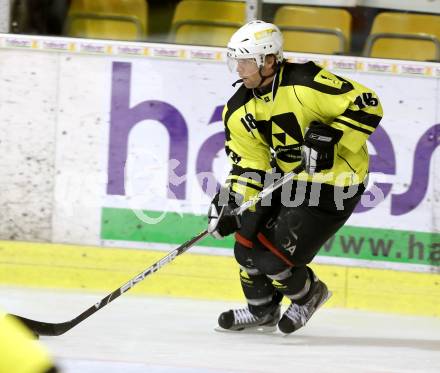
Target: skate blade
{"points": [[329, 294], [264, 329]]}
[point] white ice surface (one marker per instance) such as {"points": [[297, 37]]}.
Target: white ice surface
{"points": [[168, 335]]}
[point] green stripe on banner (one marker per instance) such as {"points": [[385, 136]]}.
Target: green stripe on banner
{"points": [[173, 228], [350, 242]]}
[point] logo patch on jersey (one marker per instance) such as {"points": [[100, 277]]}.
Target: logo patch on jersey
{"points": [[327, 78], [287, 123], [286, 137], [280, 137]]}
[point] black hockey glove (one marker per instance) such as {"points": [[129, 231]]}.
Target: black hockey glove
{"points": [[319, 147], [221, 219]]}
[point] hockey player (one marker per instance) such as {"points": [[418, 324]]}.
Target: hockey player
{"points": [[284, 115]]}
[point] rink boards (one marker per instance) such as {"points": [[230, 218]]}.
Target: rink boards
{"points": [[204, 277], [120, 145]]}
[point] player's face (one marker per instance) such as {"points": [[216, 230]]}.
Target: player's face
{"points": [[247, 69], [252, 78]]}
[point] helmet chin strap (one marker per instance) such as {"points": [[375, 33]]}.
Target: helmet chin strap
{"points": [[263, 78]]}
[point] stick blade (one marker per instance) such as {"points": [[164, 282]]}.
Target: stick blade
{"points": [[44, 328]]}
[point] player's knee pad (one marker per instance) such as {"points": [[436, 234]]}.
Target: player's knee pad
{"points": [[243, 255], [257, 257], [282, 235], [267, 262], [283, 230]]}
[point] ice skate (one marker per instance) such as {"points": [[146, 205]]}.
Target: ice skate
{"points": [[297, 315], [243, 320]]}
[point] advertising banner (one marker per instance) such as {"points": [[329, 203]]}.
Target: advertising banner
{"points": [[139, 151], [166, 159]]}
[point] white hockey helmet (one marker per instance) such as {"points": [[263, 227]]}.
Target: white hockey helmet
{"points": [[255, 40]]}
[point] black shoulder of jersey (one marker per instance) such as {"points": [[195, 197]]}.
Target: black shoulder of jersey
{"points": [[241, 97], [299, 73], [304, 74]]}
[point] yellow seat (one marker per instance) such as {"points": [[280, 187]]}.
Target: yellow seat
{"points": [[404, 36], [107, 19], [206, 22], [314, 29]]}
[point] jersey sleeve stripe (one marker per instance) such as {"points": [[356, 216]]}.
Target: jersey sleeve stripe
{"points": [[371, 120], [248, 172], [352, 126], [245, 182], [355, 123]]}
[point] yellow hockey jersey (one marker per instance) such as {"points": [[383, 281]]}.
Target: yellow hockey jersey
{"points": [[270, 127]]}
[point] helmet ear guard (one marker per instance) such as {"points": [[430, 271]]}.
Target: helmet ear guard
{"points": [[260, 60]]}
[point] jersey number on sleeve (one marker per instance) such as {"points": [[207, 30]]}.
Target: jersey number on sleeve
{"points": [[366, 99]]}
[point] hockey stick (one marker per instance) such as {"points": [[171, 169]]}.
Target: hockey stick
{"points": [[55, 329]]}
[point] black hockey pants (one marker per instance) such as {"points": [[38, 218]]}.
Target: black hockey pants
{"points": [[276, 243]]}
